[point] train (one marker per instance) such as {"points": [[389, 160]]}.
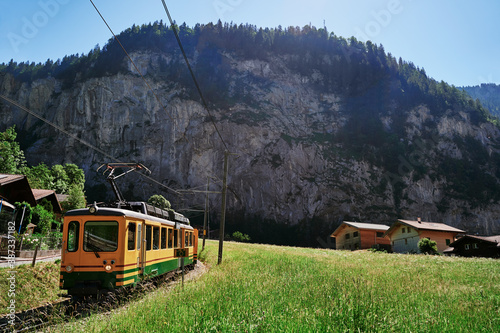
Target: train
{"points": [[113, 246]]}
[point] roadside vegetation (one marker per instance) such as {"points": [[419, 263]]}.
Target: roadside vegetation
{"points": [[34, 286], [264, 288]]}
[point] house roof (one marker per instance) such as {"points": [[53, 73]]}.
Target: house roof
{"points": [[491, 239], [50, 195], [359, 225], [40, 194], [7, 179], [15, 188], [420, 225]]}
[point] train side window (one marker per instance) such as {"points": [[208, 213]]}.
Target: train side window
{"points": [[148, 237], [139, 236], [170, 238], [186, 240], [163, 238], [176, 238], [131, 236], [156, 238], [190, 239], [73, 232]]}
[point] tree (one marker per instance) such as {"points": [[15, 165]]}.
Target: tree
{"points": [[427, 246], [12, 159], [75, 200], [159, 201]]}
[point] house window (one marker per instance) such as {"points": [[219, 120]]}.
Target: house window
{"points": [[447, 242], [467, 246], [474, 246], [355, 234], [380, 234], [347, 236], [403, 230]]}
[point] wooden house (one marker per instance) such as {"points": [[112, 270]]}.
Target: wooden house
{"points": [[356, 236], [405, 235], [475, 246]]}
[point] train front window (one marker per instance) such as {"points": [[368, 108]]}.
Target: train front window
{"points": [[73, 231], [100, 236]]}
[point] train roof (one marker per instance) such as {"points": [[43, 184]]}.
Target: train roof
{"points": [[109, 211]]}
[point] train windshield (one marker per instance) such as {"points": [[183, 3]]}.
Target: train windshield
{"points": [[100, 236]]}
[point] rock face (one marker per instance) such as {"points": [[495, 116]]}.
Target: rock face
{"points": [[289, 164]]}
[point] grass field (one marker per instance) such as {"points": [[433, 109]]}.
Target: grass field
{"points": [[260, 288]]}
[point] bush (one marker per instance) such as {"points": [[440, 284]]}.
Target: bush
{"points": [[427, 246], [240, 237]]}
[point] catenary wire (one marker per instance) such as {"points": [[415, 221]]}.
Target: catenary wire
{"points": [[174, 29], [135, 66], [91, 146]]}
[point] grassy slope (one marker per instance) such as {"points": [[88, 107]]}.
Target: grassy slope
{"points": [[34, 286], [261, 288]]}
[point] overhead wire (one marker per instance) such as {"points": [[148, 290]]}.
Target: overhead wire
{"points": [[205, 105], [135, 66], [91, 146]]}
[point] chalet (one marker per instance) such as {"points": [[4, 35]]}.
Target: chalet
{"points": [[475, 246], [356, 236], [405, 235], [15, 188]]}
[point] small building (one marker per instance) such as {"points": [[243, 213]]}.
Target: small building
{"points": [[405, 235], [357, 236], [475, 246], [15, 188]]}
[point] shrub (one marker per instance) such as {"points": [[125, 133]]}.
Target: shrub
{"points": [[240, 237], [427, 246]]}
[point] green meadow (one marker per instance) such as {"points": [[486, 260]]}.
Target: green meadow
{"points": [[264, 288]]}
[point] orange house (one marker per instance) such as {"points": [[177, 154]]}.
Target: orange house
{"points": [[405, 235], [356, 236]]}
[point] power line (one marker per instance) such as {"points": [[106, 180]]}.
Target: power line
{"points": [[91, 146], [174, 29], [135, 66]]}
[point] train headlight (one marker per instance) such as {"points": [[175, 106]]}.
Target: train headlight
{"points": [[69, 268], [93, 209], [108, 268]]}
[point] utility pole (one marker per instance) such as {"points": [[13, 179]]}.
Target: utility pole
{"points": [[205, 218], [223, 212]]}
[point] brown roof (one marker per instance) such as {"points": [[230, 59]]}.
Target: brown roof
{"points": [[492, 239], [7, 179], [40, 194], [420, 225], [358, 225]]}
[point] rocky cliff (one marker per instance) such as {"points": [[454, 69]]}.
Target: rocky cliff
{"points": [[296, 155]]}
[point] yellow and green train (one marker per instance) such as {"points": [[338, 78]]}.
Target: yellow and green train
{"points": [[106, 248]]}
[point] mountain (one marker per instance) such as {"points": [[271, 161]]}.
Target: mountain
{"points": [[322, 128], [488, 94]]}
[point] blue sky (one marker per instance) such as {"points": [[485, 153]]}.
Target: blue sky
{"points": [[453, 40]]}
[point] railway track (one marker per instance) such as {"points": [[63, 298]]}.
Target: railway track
{"points": [[67, 308]]}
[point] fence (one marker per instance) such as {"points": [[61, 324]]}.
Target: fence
{"points": [[26, 245]]}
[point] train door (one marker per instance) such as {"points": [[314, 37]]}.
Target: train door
{"points": [[141, 247]]}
